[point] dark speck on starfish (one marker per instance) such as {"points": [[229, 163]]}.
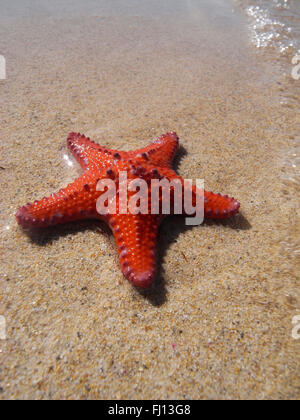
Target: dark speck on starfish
{"points": [[110, 173]]}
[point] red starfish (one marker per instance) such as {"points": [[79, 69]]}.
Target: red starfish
{"points": [[135, 234]]}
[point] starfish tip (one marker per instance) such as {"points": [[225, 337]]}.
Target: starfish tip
{"points": [[23, 217], [143, 279], [235, 207]]}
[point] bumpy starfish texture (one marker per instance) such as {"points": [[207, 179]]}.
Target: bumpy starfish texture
{"points": [[135, 234]]}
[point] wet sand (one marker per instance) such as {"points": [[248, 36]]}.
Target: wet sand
{"points": [[218, 321]]}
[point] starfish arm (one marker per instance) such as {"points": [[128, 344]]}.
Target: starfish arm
{"points": [[136, 239], [89, 153], [216, 206], [161, 152], [75, 202]]}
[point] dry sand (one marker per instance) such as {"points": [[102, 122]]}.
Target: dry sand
{"points": [[218, 322]]}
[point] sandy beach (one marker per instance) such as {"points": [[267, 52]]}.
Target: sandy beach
{"points": [[217, 324]]}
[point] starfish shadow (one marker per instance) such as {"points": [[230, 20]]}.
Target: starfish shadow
{"points": [[238, 222], [180, 154]]}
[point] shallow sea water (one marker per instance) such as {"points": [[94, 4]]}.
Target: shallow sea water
{"points": [[218, 321], [274, 23]]}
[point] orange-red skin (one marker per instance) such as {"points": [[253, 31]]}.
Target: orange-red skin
{"points": [[135, 235]]}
